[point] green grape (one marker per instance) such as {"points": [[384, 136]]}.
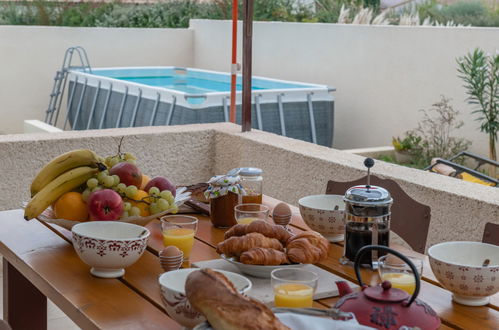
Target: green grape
{"points": [[92, 183], [134, 211], [127, 206], [113, 161], [121, 188], [131, 161], [128, 156], [96, 189], [116, 180], [108, 181], [171, 199], [154, 191], [108, 160], [163, 204], [166, 194], [124, 215], [85, 194], [174, 208], [154, 208], [131, 191], [101, 176]]}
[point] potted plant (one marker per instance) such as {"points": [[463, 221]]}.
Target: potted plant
{"points": [[480, 73], [406, 148]]}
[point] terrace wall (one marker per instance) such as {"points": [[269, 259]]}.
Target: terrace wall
{"points": [[31, 55], [383, 74], [292, 169]]}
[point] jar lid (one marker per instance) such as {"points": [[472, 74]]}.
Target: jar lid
{"points": [[246, 171], [220, 185], [368, 195]]}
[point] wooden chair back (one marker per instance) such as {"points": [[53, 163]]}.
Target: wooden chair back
{"points": [[491, 233], [410, 219]]}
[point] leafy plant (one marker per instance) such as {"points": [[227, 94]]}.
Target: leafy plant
{"points": [[480, 73], [411, 143]]}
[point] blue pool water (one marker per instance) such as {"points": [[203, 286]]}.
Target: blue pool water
{"points": [[192, 82]]}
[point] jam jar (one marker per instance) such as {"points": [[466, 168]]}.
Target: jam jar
{"points": [[224, 194]]}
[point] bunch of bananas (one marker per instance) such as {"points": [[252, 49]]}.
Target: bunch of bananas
{"points": [[61, 175]]}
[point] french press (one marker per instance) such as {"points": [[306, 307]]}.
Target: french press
{"points": [[367, 220]]}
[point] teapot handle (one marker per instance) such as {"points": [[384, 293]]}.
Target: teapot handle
{"points": [[367, 248]]}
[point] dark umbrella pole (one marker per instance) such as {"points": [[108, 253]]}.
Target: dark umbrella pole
{"points": [[247, 54]]}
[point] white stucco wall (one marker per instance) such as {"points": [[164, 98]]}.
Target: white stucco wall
{"points": [[31, 55], [383, 74]]}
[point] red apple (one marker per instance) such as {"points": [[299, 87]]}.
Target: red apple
{"points": [[162, 184], [105, 204], [129, 174]]}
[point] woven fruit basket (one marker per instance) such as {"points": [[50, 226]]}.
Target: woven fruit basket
{"points": [[182, 195]]}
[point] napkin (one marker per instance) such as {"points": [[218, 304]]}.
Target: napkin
{"points": [[304, 322]]}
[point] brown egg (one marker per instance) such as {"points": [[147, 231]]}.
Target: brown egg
{"points": [[170, 251], [282, 210]]}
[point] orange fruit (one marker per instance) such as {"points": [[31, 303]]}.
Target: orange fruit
{"points": [[71, 206], [145, 181], [144, 207]]}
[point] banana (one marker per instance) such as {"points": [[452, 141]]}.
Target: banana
{"points": [[57, 187], [63, 163]]}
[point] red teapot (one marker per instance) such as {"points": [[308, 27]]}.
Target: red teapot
{"points": [[382, 306]]}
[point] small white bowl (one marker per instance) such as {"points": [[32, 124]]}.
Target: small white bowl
{"points": [[109, 246], [458, 267], [177, 305], [318, 212]]}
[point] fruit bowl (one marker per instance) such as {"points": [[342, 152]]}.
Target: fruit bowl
{"points": [[324, 214], [257, 270], [458, 266], [182, 195], [109, 246], [177, 306]]}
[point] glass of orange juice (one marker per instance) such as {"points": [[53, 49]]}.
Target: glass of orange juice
{"points": [[293, 287], [247, 213], [179, 230], [399, 273]]}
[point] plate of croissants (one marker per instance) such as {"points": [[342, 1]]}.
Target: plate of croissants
{"points": [[260, 247]]}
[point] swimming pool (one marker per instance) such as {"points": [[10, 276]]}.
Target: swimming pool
{"points": [[148, 96]]}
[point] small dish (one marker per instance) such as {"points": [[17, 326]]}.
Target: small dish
{"points": [[257, 270]]}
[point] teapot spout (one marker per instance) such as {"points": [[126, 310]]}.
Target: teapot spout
{"points": [[343, 288]]}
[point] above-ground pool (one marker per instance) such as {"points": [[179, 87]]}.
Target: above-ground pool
{"points": [[149, 96]]}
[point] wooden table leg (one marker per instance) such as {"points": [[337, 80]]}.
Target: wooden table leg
{"points": [[24, 306]]}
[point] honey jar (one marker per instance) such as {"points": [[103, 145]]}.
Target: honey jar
{"points": [[224, 194]]}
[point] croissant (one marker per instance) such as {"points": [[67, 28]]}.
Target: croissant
{"points": [[263, 256], [234, 246], [262, 227], [308, 247]]}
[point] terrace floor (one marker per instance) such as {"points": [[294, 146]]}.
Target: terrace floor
{"points": [[56, 319]]}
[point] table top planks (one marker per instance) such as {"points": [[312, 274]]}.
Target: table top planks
{"points": [[44, 254]]}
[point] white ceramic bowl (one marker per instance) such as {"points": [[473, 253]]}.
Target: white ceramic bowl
{"points": [[109, 246], [458, 267], [318, 212], [258, 270], [177, 305]]}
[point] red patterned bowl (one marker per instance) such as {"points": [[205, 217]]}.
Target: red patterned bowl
{"points": [[177, 305], [318, 212], [458, 267], [109, 246]]}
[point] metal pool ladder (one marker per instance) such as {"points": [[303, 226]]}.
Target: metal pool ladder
{"points": [[60, 79]]}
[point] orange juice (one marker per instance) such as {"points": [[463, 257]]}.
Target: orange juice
{"points": [[293, 295], [246, 220], [183, 238], [401, 281]]}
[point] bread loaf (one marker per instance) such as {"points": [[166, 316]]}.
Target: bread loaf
{"points": [[213, 295]]}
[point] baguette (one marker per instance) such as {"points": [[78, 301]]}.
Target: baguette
{"points": [[213, 295]]}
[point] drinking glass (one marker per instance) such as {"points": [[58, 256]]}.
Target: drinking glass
{"points": [[293, 287], [399, 273], [247, 213], [179, 230]]}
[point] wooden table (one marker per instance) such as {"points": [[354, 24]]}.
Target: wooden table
{"points": [[40, 262]]}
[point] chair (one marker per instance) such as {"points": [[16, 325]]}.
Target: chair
{"points": [[410, 219], [491, 233]]}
